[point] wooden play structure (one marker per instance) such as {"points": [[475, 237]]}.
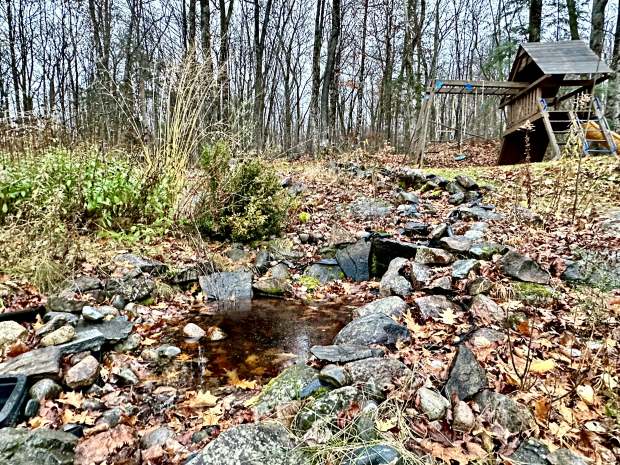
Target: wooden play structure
{"points": [[543, 75]]}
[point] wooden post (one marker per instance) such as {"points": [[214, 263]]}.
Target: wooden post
{"points": [[549, 128], [423, 127]]}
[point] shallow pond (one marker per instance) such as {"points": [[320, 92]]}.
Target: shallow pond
{"points": [[264, 337]]}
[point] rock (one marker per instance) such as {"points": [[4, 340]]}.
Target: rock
{"points": [[490, 335], [201, 435], [463, 419], [145, 265], [467, 377], [530, 452], [38, 363], [511, 415], [354, 260], [327, 406], [393, 283], [514, 320], [433, 404], [374, 455], [383, 251], [131, 343], [262, 260], [215, 334], [69, 318], [479, 285], [167, 350], [534, 294], [442, 285], [280, 271], [113, 331], [83, 374], [471, 196], [110, 312], [11, 332], [60, 336], [193, 273], [32, 408], [92, 405], [64, 303], [225, 286], [367, 209], [437, 232], [339, 236], [456, 199], [419, 275], [128, 377], [462, 268], [485, 251], [344, 353], [465, 181], [156, 437], [237, 255], [111, 417], [365, 430], [526, 216], [131, 289], [565, 457], [271, 287], [335, 375], [382, 370], [456, 244], [313, 387], [86, 339], [40, 446], [477, 213], [54, 323], [475, 236], [411, 178], [479, 226], [482, 305], [119, 445], [324, 271], [84, 283], [429, 256], [407, 197], [193, 331], [92, 314], [415, 229], [390, 306], [520, 267], [455, 188], [45, 388], [262, 443], [375, 328], [118, 302], [434, 306], [284, 387], [612, 225]]}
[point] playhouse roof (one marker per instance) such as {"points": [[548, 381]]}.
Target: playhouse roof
{"points": [[564, 57]]}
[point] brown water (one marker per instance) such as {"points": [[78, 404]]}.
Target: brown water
{"points": [[264, 337]]}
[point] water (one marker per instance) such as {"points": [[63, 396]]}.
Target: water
{"points": [[265, 336]]}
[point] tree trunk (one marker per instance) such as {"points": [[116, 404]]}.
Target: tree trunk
{"points": [[360, 90], [192, 28], [597, 30], [14, 69], [329, 75], [259, 91], [205, 31], [573, 18], [535, 20], [614, 98], [313, 120]]}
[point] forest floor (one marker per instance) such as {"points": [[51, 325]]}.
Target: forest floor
{"points": [[562, 362]]}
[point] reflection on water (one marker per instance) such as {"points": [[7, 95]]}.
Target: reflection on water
{"points": [[264, 337]]}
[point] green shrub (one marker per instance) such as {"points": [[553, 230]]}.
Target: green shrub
{"points": [[243, 201]]}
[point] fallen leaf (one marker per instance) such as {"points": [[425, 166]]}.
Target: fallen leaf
{"points": [[203, 399], [542, 366], [586, 393], [448, 317], [71, 398], [386, 425]]}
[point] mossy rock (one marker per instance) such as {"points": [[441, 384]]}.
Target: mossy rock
{"points": [[285, 387], [534, 294], [515, 320]]}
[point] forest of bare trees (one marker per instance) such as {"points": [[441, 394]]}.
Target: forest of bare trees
{"points": [[294, 75]]}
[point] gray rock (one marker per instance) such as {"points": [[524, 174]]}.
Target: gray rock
{"points": [[87, 339], [526, 216], [456, 199], [481, 305], [390, 306], [470, 196], [11, 332], [193, 273], [479, 226], [113, 330], [393, 283], [475, 236], [70, 318], [237, 255], [167, 350], [407, 197], [271, 287], [41, 446], [85, 283], [467, 377], [565, 457], [434, 306], [262, 260], [128, 377], [225, 286], [383, 251], [251, 444], [38, 363], [462, 268], [373, 392], [111, 417], [64, 303], [110, 312], [513, 416], [354, 260], [463, 418], [201, 435], [327, 253], [83, 374], [375, 328], [131, 289], [92, 404], [54, 323], [491, 335], [280, 271], [131, 343], [339, 236], [419, 275], [477, 213], [531, 452], [324, 271], [520, 267], [327, 406], [485, 251], [367, 209], [433, 404], [456, 244], [365, 430], [344, 353], [429, 256], [437, 232], [374, 455], [32, 408], [479, 285], [455, 188], [194, 331], [145, 265], [465, 181], [382, 370], [118, 303], [60, 336], [45, 388], [156, 437], [442, 285], [313, 387], [335, 375], [285, 387]]}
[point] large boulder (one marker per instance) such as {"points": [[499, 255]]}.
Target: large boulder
{"points": [[383, 370], [262, 443], [523, 268], [434, 306], [328, 406], [383, 251], [354, 260], [467, 377], [285, 387], [84, 283], [225, 286], [344, 353], [393, 282], [65, 302], [375, 328], [390, 306], [513, 416], [11, 332], [119, 445], [40, 446]]}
